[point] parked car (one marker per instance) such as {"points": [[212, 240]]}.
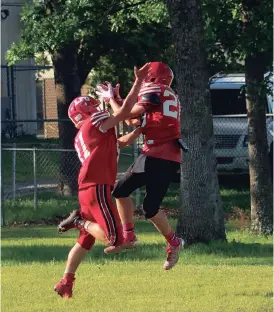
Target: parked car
{"points": [[230, 123]]}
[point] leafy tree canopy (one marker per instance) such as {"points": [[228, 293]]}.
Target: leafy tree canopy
{"points": [[112, 36], [237, 28]]}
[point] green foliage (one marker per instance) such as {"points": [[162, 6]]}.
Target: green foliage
{"points": [[49, 27], [41, 59], [112, 36], [235, 29]]}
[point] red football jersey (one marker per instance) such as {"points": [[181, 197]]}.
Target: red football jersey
{"points": [[97, 151], [161, 121]]}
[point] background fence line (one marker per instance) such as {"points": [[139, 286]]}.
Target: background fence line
{"points": [[35, 170]]}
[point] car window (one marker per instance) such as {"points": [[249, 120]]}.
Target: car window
{"points": [[229, 102]]}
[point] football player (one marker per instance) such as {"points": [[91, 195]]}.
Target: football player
{"points": [[159, 160], [96, 146]]}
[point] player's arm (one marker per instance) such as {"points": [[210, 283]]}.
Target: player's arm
{"points": [[136, 112], [128, 103], [133, 122], [129, 138], [145, 102], [148, 97]]}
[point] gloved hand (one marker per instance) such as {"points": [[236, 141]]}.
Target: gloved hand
{"points": [[117, 96], [105, 91]]}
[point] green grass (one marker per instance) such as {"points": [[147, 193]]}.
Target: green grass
{"points": [[231, 277], [51, 205]]}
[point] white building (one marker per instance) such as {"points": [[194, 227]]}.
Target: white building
{"points": [[18, 89]]}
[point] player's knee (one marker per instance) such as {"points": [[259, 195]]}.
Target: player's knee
{"points": [[120, 192], [150, 209], [86, 242]]}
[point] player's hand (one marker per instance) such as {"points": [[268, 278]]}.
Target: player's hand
{"points": [[117, 96], [135, 122], [105, 91], [140, 74]]}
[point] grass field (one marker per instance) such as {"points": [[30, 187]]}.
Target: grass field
{"points": [[236, 276], [219, 277]]}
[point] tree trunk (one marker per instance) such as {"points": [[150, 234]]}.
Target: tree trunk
{"points": [[68, 87], [261, 192], [201, 218], [83, 69]]}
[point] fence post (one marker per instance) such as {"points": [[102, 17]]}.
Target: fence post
{"points": [[14, 171], [34, 180], [135, 155], [3, 214], [13, 101]]}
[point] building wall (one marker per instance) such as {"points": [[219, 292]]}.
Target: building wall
{"points": [[50, 106], [50, 109], [24, 81]]}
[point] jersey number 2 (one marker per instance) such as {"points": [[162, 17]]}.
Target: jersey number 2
{"points": [[168, 103]]}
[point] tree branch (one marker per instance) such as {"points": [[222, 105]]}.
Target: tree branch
{"points": [[129, 6], [126, 7]]}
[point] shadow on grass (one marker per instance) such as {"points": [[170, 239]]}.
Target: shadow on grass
{"points": [[214, 254], [231, 199], [233, 250], [230, 182], [10, 233], [50, 253]]}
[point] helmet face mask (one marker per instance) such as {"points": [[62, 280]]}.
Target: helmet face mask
{"points": [[159, 73], [81, 109]]}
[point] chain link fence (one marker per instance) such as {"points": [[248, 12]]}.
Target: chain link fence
{"points": [[30, 172], [33, 164], [27, 170]]}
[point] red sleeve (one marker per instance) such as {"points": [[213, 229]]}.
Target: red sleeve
{"points": [[97, 118]]}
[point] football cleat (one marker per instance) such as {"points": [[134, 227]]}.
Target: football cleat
{"points": [[173, 253], [126, 245], [64, 288], [72, 221]]}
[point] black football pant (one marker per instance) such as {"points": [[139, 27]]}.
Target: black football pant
{"points": [[158, 174]]}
